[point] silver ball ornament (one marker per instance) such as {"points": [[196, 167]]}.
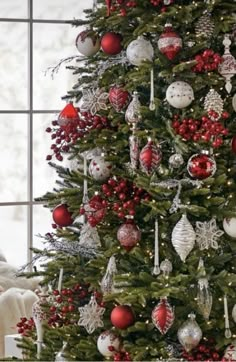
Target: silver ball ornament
{"points": [[139, 50], [176, 160], [189, 334]]}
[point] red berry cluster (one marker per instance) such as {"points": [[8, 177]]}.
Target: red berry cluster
{"points": [[123, 6], [205, 351], [207, 61], [95, 211], [161, 2], [123, 196], [64, 304], [25, 325], [121, 356], [66, 135], [205, 129]]}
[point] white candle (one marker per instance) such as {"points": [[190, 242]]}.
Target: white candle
{"points": [[60, 280]]}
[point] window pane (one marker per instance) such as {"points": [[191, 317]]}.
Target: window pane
{"points": [[13, 157], [13, 231], [43, 175], [52, 42], [14, 8], [13, 65], [60, 9]]}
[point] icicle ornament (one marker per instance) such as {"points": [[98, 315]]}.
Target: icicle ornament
{"points": [[204, 297], [156, 269], [228, 66], [107, 284], [228, 333]]}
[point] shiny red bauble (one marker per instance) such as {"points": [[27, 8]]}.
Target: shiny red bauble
{"points": [[122, 317], [111, 43], [128, 234], [201, 166], [62, 216], [119, 98], [233, 144], [169, 42], [150, 157]]}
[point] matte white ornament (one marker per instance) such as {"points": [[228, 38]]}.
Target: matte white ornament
{"points": [[183, 237], [234, 102], [179, 94], [107, 339], [234, 313], [139, 50], [229, 225], [99, 168], [189, 334], [227, 68]]}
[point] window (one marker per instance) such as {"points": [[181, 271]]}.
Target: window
{"points": [[34, 37]]}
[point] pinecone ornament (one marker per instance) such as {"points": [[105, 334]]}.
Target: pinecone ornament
{"points": [[214, 102], [205, 26]]}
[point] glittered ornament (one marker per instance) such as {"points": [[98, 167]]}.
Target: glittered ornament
{"points": [[132, 114], [214, 102], [169, 42], [204, 297], [201, 165], [87, 43], [183, 237], [62, 216], [166, 267], [134, 150], [176, 160], [108, 343], [119, 98], [204, 27], [163, 316], [107, 283], [122, 317], [179, 94], [139, 50], [93, 100], [100, 169], [233, 144], [227, 68], [230, 352], [189, 334], [229, 225], [128, 234], [150, 157], [111, 43], [68, 114]]}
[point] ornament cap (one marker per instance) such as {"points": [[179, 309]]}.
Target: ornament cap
{"points": [[192, 316]]}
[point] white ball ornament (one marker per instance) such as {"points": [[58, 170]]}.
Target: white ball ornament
{"points": [[100, 169], [229, 225], [105, 341], [179, 94], [230, 352], [87, 43], [139, 50]]}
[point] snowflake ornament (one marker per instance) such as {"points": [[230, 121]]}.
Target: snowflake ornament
{"points": [[90, 316], [207, 234], [93, 100]]}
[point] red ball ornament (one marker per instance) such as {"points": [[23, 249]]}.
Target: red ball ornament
{"points": [[122, 317], [233, 144], [169, 42], [111, 43], [150, 157], [201, 166], [68, 114], [128, 234], [119, 98], [163, 316], [62, 216]]}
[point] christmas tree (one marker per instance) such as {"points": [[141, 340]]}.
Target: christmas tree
{"points": [[145, 217]]}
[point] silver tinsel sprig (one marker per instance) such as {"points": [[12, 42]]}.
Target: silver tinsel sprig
{"points": [[119, 59], [174, 183]]}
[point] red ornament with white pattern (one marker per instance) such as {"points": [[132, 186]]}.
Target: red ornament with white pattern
{"points": [[201, 165], [129, 234], [150, 157], [119, 98], [169, 42], [163, 316]]}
